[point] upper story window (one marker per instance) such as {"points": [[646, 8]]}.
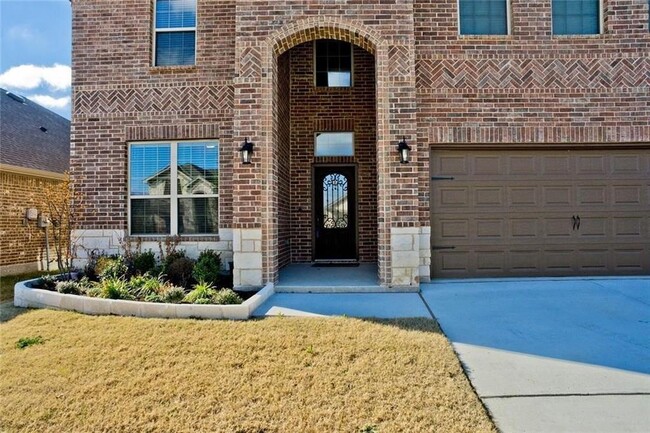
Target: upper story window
{"points": [[576, 17], [175, 32], [483, 17], [174, 188], [333, 63]]}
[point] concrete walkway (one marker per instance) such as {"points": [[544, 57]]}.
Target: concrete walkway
{"points": [[554, 355]]}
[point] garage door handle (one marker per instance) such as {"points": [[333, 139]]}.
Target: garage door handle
{"points": [[578, 218], [442, 178], [575, 221]]}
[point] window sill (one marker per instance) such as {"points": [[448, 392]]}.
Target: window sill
{"points": [[172, 69], [594, 36], [484, 37], [181, 239]]}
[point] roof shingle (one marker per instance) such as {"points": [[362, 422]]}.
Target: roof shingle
{"points": [[32, 136]]}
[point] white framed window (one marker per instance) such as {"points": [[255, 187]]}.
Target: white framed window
{"points": [[577, 17], [174, 40], [174, 188], [334, 144], [483, 17], [332, 63]]}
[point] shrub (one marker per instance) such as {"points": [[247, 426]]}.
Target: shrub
{"points": [[179, 272], [172, 257], [141, 286], [47, 282], [69, 287], [144, 262], [226, 297], [113, 267], [173, 294], [208, 267], [114, 288], [202, 291], [154, 297]]}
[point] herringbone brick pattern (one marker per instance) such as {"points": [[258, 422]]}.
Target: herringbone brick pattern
{"points": [[533, 73], [180, 98]]}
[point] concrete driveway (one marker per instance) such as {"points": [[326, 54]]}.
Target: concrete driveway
{"points": [[553, 355]]}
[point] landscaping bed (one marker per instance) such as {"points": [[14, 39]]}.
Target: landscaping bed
{"points": [[140, 285], [104, 373]]}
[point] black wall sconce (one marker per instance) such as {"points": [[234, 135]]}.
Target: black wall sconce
{"points": [[404, 151], [246, 152]]}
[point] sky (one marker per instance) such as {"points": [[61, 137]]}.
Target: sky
{"points": [[35, 51]]}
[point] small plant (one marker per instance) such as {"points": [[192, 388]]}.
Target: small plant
{"points": [[154, 297], [144, 262], [69, 287], [47, 282], [29, 341], [113, 267], [208, 267], [369, 429], [201, 293], [142, 286], [227, 297], [114, 288], [179, 272], [173, 294]]}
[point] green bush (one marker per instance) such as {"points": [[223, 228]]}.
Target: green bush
{"points": [[208, 267], [226, 297], [114, 288], [202, 291], [111, 267], [172, 257], [69, 287], [47, 282], [173, 294], [179, 272], [144, 262], [141, 286]]}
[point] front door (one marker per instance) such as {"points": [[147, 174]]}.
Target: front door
{"points": [[335, 214]]}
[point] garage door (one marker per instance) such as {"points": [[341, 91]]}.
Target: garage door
{"points": [[531, 213]]}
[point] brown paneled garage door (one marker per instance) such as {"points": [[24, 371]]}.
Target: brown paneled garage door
{"points": [[530, 213]]}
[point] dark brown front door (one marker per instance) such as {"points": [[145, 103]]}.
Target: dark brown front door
{"points": [[335, 214]]}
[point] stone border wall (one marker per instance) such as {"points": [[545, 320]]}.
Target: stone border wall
{"points": [[28, 297]]}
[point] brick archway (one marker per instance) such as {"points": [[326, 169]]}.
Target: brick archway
{"points": [[310, 29], [256, 188]]}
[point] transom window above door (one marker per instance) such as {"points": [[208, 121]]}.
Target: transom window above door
{"points": [[334, 144], [333, 63]]}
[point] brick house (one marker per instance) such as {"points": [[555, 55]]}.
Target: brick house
{"points": [[34, 153], [528, 125]]}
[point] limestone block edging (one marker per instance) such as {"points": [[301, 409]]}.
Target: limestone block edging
{"points": [[25, 296]]}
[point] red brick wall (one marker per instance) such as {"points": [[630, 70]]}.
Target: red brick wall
{"points": [[21, 243], [528, 87], [118, 97], [531, 86], [283, 105], [319, 109]]}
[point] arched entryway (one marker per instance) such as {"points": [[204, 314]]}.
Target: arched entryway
{"points": [[274, 196]]}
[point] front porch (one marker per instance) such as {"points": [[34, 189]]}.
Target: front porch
{"points": [[308, 278]]}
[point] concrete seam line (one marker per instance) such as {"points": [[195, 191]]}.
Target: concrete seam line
{"points": [[595, 394], [428, 309]]}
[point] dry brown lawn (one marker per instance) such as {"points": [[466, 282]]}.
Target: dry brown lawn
{"points": [[118, 374]]}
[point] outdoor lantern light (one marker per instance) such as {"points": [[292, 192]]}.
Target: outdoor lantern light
{"points": [[246, 152], [404, 151]]}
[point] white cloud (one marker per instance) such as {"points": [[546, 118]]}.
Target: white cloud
{"points": [[48, 101], [22, 32], [58, 77]]}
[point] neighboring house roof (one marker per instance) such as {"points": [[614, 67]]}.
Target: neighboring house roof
{"points": [[31, 136]]}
